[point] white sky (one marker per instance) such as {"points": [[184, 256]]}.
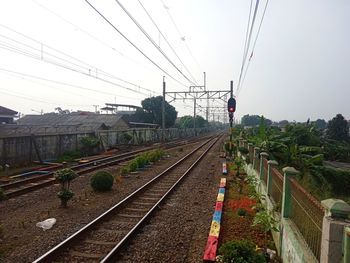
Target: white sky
{"points": [[300, 67]]}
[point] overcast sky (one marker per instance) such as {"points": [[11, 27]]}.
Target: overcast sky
{"points": [[51, 52]]}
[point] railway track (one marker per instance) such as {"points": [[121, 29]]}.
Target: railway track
{"points": [[103, 238], [40, 180]]}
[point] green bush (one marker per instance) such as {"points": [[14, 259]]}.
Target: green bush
{"points": [[243, 150], [133, 166], [65, 176], [124, 171], [141, 161], [89, 144], [69, 156], [102, 181], [240, 251], [241, 212], [65, 195]]}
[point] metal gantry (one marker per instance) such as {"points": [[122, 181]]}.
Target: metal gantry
{"points": [[196, 93]]}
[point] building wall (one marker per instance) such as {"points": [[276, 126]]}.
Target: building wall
{"points": [[20, 150]]}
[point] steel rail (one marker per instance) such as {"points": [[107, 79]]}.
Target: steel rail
{"points": [[61, 247], [43, 180]]}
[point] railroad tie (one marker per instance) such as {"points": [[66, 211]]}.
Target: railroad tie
{"points": [[137, 209], [86, 255]]}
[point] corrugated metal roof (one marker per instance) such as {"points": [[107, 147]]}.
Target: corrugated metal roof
{"points": [[62, 123], [71, 119], [7, 111]]}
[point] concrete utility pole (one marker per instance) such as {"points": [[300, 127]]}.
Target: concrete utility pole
{"points": [[194, 116], [163, 109]]}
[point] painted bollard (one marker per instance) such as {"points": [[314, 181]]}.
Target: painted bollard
{"points": [[213, 238]]}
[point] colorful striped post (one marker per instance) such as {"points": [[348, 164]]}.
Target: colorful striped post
{"points": [[224, 168], [212, 243]]}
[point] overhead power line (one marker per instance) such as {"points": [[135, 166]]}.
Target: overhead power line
{"points": [[248, 43], [41, 100], [253, 48], [166, 40], [137, 48], [153, 42], [64, 83], [77, 66], [180, 35], [80, 95], [98, 40]]}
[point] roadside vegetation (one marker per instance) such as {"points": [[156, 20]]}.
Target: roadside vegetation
{"points": [[306, 147]]}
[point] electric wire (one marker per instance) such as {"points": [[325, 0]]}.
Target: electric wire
{"points": [[180, 35], [64, 83], [153, 42], [98, 40], [137, 48], [168, 43], [253, 48], [248, 44], [40, 100], [52, 87], [86, 69], [247, 31]]}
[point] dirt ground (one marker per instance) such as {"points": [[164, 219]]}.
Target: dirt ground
{"points": [[186, 216]]}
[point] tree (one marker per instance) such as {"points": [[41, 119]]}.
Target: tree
{"points": [[152, 112], [320, 124], [187, 122], [64, 177], [253, 120], [338, 128]]}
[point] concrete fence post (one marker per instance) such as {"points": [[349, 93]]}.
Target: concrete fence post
{"points": [[335, 241], [245, 145], [263, 156], [270, 164], [251, 149], [288, 172], [255, 155]]}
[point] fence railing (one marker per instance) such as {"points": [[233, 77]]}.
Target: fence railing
{"points": [[277, 188], [265, 166], [307, 214]]}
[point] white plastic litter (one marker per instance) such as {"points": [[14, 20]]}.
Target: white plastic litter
{"points": [[46, 224]]}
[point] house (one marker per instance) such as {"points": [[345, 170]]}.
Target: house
{"points": [[7, 115], [54, 123], [77, 121]]}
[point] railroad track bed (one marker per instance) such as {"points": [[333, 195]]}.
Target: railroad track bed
{"points": [[22, 240], [37, 179]]}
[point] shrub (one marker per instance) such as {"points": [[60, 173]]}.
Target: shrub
{"points": [[102, 181], [241, 251], [124, 171], [89, 144], [141, 161], [243, 150], [65, 176], [242, 212], [133, 166], [69, 156], [65, 195]]}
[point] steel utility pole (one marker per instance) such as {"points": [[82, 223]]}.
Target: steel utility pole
{"points": [[163, 109]]}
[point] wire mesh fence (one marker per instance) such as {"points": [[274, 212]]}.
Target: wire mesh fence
{"points": [[277, 188], [307, 214], [265, 166]]}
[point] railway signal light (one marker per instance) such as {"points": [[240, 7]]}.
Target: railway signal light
{"points": [[231, 105]]}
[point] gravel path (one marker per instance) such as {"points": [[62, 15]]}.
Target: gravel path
{"points": [[22, 241], [178, 231]]}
